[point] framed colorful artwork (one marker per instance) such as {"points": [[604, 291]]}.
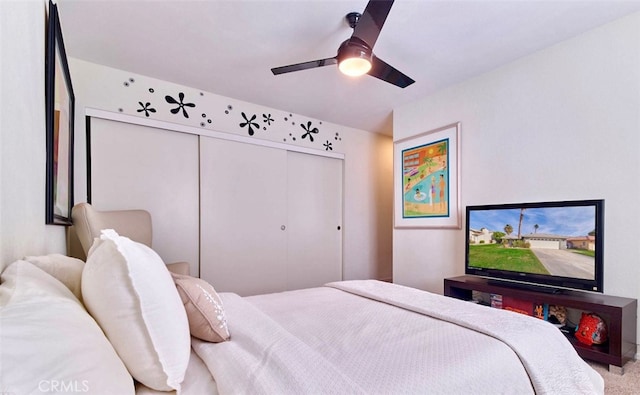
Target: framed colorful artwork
{"points": [[59, 118], [427, 179]]}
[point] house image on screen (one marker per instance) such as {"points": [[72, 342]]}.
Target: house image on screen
{"points": [[545, 240], [482, 236], [541, 240], [582, 243]]}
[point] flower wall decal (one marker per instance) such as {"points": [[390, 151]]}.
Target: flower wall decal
{"points": [[146, 108], [180, 103], [249, 123], [309, 131], [253, 119]]}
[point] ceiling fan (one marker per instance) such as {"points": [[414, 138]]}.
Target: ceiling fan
{"points": [[355, 55]]}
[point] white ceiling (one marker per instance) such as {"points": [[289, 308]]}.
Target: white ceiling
{"points": [[229, 47]]}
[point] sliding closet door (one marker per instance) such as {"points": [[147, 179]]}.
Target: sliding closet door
{"points": [[243, 214], [314, 203], [140, 167]]}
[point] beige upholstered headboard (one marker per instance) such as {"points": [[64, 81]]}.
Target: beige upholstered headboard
{"points": [[87, 223]]}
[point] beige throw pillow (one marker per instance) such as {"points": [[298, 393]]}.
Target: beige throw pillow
{"points": [[207, 320], [66, 269]]}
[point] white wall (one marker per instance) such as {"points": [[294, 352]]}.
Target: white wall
{"points": [[368, 175], [22, 134], [561, 124], [368, 214]]}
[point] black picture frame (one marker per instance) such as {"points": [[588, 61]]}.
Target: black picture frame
{"points": [[60, 112]]}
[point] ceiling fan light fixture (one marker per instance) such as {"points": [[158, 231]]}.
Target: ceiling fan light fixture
{"points": [[354, 59], [355, 55], [355, 67]]}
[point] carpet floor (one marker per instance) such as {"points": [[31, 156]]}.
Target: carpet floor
{"points": [[616, 384]]}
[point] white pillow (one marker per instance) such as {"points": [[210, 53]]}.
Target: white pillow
{"points": [[66, 269], [127, 288], [49, 341]]}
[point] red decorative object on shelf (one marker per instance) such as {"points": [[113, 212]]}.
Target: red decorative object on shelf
{"points": [[592, 329]]}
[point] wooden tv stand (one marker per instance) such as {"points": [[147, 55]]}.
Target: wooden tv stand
{"points": [[619, 313]]}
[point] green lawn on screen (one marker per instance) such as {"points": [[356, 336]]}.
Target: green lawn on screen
{"points": [[495, 256]]}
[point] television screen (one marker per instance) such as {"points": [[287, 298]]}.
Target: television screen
{"points": [[555, 244]]}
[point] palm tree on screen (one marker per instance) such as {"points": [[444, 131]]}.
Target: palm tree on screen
{"points": [[520, 222], [508, 229]]}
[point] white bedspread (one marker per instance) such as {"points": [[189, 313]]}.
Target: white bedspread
{"points": [[335, 339], [263, 358], [550, 360]]}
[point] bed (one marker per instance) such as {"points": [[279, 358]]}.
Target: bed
{"points": [[373, 337], [350, 337]]}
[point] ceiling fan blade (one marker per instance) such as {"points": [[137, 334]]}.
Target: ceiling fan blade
{"points": [[303, 66], [385, 72], [370, 23]]}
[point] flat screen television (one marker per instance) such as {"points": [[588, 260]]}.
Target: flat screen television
{"points": [[549, 246]]}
